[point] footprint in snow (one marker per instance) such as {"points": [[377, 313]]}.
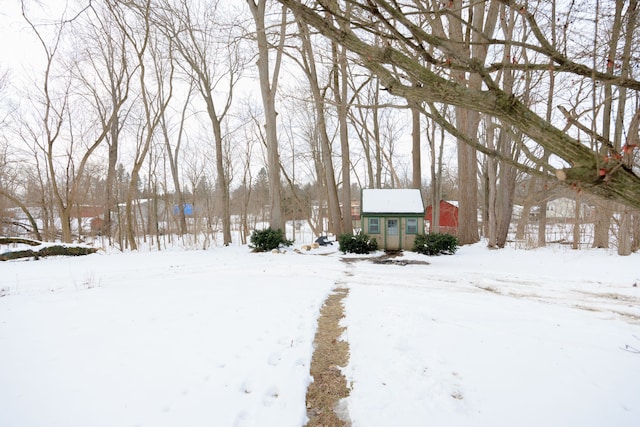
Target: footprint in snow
{"points": [[248, 386], [275, 358], [271, 396]]}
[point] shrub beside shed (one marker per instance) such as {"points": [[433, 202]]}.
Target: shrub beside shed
{"points": [[394, 217]]}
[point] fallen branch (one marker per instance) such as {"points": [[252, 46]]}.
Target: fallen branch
{"points": [[18, 240], [56, 250]]}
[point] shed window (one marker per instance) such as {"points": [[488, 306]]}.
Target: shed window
{"points": [[412, 225], [374, 225]]}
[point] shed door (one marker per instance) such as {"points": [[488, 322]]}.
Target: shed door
{"points": [[393, 234]]}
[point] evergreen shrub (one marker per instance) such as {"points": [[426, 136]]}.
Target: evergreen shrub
{"points": [[268, 239], [435, 244], [359, 243]]}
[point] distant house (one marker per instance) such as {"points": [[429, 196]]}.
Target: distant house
{"points": [[87, 211], [564, 208], [89, 216], [448, 218], [393, 216]]}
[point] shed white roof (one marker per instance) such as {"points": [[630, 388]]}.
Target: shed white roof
{"points": [[400, 201]]}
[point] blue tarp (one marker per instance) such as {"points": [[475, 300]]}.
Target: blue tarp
{"points": [[188, 209]]}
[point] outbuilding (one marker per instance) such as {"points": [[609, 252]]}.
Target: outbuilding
{"points": [[448, 218], [394, 217]]}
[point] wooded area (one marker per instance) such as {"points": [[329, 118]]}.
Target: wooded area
{"points": [[134, 120]]}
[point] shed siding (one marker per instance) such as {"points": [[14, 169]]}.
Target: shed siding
{"points": [[390, 204]]}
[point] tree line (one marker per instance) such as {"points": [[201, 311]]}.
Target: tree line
{"points": [[509, 103]]}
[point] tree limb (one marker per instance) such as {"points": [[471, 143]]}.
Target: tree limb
{"points": [[621, 184]]}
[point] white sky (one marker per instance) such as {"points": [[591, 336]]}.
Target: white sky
{"points": [[14, 45]]}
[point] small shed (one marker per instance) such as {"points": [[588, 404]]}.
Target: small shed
{"points": [[394, 217], [448, 218]]}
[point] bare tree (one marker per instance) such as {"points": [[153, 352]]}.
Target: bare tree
{"points": [[11, 178], [581, 166], [173, 154], [57, 123], [366, 117], [247, 182], [111, 73], [310, 69], [212, 58], [501, 186], [269, 73], [625, 247], [435, 133], [155, 73], [341, 92]]}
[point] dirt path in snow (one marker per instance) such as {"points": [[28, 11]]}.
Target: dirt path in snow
{"points": [[329, 385]]}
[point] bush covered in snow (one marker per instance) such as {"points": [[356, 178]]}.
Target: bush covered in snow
{"points": [[435, 244], [359, 243]]}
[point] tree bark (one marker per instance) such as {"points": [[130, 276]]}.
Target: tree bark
{"points": [[341, 91], [55, 250], [416, 149], [268, 87], [326, 151]]}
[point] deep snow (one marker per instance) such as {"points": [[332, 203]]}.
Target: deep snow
{"points": [[224, 337]]}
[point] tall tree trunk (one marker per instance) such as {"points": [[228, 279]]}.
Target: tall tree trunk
{"points": [[577, 221], [467, 178], [604, 211], [111, 200], [436, 173], [625, 239], [341, 91], [222, 182], [467, 120], [325, 144], [635, 231], [173, 155], [377, 138], [625, 232], [416, 148], [507, 146], [542, 207], [525, 215], [491, 191], [268, 87]]}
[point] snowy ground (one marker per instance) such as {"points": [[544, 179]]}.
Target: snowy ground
{"points": [[224, 338]]}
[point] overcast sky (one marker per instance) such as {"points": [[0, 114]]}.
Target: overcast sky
{"points": [[18, 46]]}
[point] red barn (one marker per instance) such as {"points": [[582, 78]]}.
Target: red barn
{"points": [[448, 218]]}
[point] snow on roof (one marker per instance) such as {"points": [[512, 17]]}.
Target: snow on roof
{"points": [[392, 201]]}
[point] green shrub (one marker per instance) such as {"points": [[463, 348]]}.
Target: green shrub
{"points": [[268, 239], [435, 244], [359, 243]]}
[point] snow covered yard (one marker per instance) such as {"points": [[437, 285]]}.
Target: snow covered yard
{"points": [[224, 337], [158, 339], [471, 342]]}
